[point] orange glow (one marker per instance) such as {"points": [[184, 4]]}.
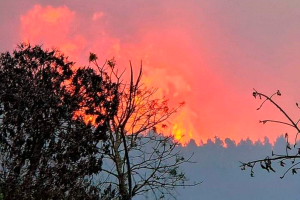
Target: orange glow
{"points": [[177, 132], [98, 15], [52, 27], [182, 127], [171, 62], [88, 119]]}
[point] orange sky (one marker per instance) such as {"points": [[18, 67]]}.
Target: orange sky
{"points": [[188, 53]]}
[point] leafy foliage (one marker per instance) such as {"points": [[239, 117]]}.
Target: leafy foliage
{"points": [[46, 152], [81, 133]]}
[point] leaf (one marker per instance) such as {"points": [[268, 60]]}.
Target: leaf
{"points": [[164, 126], [111, 63], [182, 103], [263, 167], [93, 57], [278, 93], [173, 172], [264, 121], [271, 168]]}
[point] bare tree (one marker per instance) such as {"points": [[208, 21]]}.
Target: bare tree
{"points": [[288, 159], [140, 160]]}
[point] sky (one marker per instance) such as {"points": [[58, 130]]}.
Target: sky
{"points": [[210, 54]]}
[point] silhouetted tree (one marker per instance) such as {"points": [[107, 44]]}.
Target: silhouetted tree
{"points": [[81, 133], [140, 160], [288, 159], [47, 150]]}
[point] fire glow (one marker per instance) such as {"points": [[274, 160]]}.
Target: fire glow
{"points": [[170, 63]]}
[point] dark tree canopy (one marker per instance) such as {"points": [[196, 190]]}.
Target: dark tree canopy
{"points": [[81, 133], [46, 152]]}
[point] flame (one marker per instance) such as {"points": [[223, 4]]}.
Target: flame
{"points": [[178, 131], [182, 126], [181, 133], [172, 62], [88, 119], [53, 27]]}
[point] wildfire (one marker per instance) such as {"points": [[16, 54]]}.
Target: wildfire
{"points": [[177, 132], [182, 128], [171, 63], [88, 119]]}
